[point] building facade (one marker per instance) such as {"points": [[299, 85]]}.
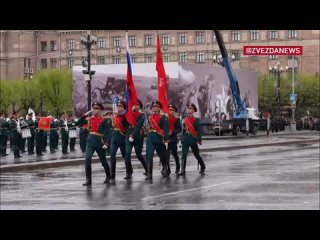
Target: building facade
{"points": [[24, 52]]}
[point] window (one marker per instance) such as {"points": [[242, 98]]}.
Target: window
{"points": [[100, 60], [292, 34], [166, 57], [235, 36], [53, 63], [254, 34], [148, 58], [183, 57], [116, 60], [27, 63], [200, 37], [236, 54], [43, 63], [273, 34], [70, 62], [133, 58], [165, 39], [214, 39], [71, 44], [116, 42], [182, 38], [273, 57], [132, 41], [200, 57], [53, 45], [101, 42], [148, 40], [43, 46]]}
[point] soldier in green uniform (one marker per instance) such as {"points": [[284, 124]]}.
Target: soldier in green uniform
{"points": [[191, 137], [4, 134], [30, 140], [15, 133], [174, 129], [157, 139], [38, 135], [84, 132], [72, 125], [108, 117], [134, 138], [63, 126], [96, 141], [22, 141], [120, 126], [53, 135]]}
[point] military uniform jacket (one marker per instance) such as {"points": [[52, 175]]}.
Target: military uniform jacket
{"points": [[31, 125], [64, 128], [4, 127], [98, 130], [13, 125], [191, 130], [159, 130], [137, 130], [120, 126], [72, 124], [174, 128], [54, 126]]}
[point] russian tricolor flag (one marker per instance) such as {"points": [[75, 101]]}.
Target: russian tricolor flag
{"points": [[131, 95]]}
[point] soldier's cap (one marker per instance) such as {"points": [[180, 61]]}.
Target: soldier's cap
{"points": [[29, 114], [108, 113], [14, 113], [193, 106], [201, 87], [97, 104], [70, 114], [38, 114], [156, 102], [139, 103], [123, 103], [174, 107]]}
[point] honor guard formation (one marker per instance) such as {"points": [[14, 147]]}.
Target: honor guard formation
{"points": [[105, 134]]}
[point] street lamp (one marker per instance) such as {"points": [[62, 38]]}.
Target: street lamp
{"points": [[219, 60], [88, 42]]}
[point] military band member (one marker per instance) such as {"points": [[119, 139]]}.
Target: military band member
{"points": [[96, 141], [15, 131], [38, 135], [72, 124], [134, 138], [4, 134], [53, 135], [174, 129], [157, 139], [30, 140], [108, 117], [190, 138], [84, 132], [22, 142], [64, 131], [120, 126]]}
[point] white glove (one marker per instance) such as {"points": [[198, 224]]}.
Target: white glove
{"points": [[166, 145], [104, 146], [131, 139], [87, 113]]}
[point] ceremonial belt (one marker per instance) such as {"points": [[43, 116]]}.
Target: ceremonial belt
{"points": [[118, 130], [97, 134]]}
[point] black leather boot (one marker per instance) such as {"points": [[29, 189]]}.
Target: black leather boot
{"points": [[149, 172], [183, 168], [144, 164], [107, 171], [202, 165], [177, 166], [88, 177], [128, 172]]}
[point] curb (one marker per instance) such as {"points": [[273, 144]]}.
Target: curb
{"points": [[80, 161]]}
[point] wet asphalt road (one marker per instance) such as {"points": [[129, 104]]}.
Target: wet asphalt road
{"points": [[274, 177]]}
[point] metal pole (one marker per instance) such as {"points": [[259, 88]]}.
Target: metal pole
{"points": [[279, 110], [293, 109], [219, 115], [89, 70]]}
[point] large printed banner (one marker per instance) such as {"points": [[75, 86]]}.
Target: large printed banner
{"points": [[204, 85]]}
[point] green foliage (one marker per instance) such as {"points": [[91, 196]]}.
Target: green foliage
{"points": [[307, 88]]}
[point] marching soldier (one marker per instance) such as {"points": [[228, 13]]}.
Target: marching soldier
{"points": [[22, 142], [63, 126], [30, 140], [108, 117], [190, 138], [174, 130], [95, 141], [134, 138], [15, 131], [157, 139], [72, 125], [53, 135], [120, 126], [84, 132], [4, 134], [38, 135]]}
